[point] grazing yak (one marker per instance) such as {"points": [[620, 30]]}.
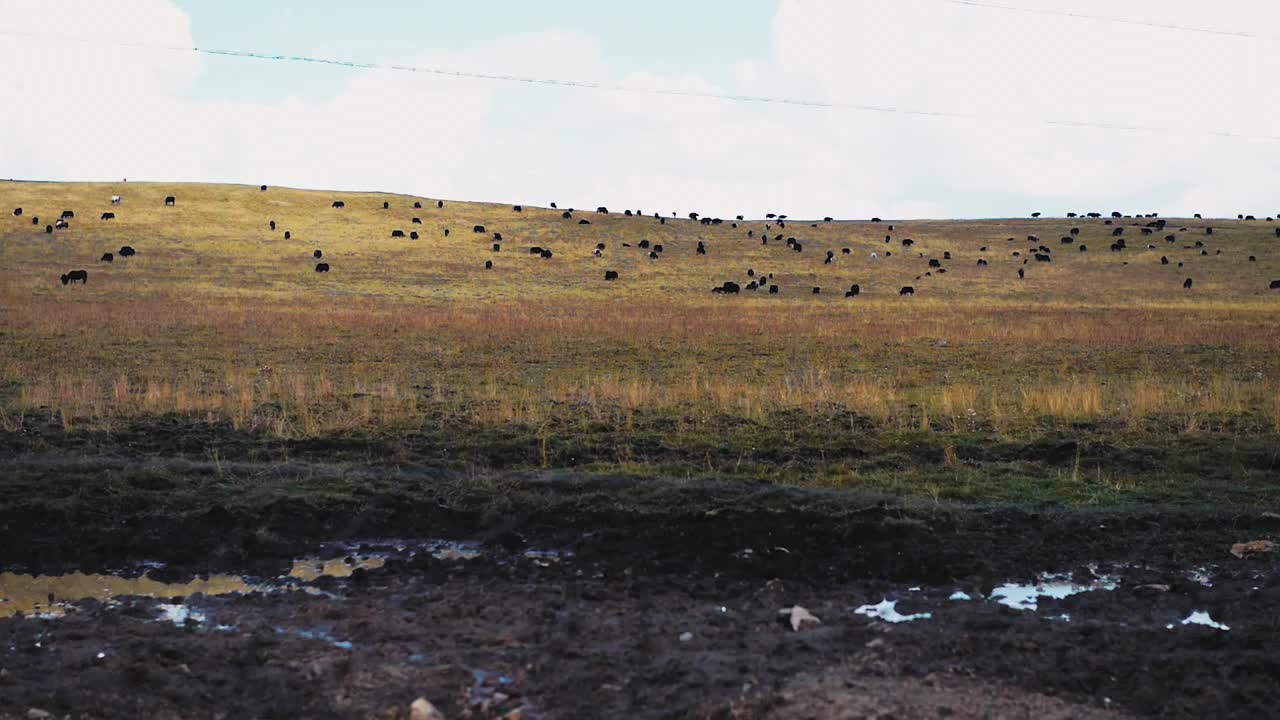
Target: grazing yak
{"points": [[76, 276], [417, 205], [584, 222], [288, 235], [397, 233], [61, 224], [48, 229], [108, 216], [535, 250], [67, 215], [566, 215], [272, 224], [322, 267], [907, 290], [497, 247], [854, 291], [478, 229], [170, 201], [774, 290], [17, 212], [497, 236], [413, 235], [107, 257], [262, 188], [546, 255], [1275, 285], [817, 291], [317, 254], [1186, 284], [127, 251], [338, 204], [488, 264], [439, 204], [416, 221], [610, 275], [386, 205]]}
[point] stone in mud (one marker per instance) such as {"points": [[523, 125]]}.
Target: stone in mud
{"points": [[800, 618], [1256, 547], [422, 709]]}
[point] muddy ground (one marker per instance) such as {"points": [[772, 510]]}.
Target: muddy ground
{"points": [[567, 595]]}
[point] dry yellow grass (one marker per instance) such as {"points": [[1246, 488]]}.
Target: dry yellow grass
{"points": [[219, 317]]}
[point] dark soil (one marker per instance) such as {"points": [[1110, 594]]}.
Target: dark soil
{"points": [[598, 632]]}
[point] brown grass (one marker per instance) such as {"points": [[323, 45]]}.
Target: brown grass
{"points": [[219, 318]]}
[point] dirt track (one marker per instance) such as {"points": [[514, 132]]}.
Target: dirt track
{"points": [[595, 631]]}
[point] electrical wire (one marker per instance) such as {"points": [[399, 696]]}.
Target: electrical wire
{"points": [[609, 87]]}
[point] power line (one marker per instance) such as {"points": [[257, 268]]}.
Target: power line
{"points": [[1120, 20], [610, 87]]}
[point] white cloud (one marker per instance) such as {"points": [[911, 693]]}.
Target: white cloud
{"points": [[90, 112]]}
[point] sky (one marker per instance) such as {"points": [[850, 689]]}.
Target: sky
{"points": [[88, 111]]}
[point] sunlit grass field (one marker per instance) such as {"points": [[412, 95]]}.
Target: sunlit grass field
{"points": [[219, 319]]}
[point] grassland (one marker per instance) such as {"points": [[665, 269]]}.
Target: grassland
{"points": [[1096, 379]]}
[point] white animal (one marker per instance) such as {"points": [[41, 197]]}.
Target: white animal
{"points": [[115, 199], [874, 256]]}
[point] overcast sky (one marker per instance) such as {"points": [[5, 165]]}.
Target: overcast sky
{"points": [[87, 112]]}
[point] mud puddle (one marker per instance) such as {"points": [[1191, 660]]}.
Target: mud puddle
{"points": [[52, 596]]}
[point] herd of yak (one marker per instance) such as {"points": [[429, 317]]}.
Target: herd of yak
{"points": [[1039, 252]]}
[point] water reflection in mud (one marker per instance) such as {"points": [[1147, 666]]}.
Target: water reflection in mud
{"points": [[48, 595], [308, 570]]}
